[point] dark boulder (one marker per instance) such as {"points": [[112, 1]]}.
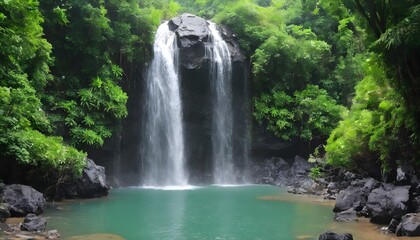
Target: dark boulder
{"points": [[296, 174], [235, 50], [91, 184], [277, 171], [193, 37], [335, 236], [346, 216], [355, 196], [192, 34], [392, 227], [34, 223], [4, 227], [4, 212], [333, 188], [387, 202], [267, 171], [308, 187], [402, 178], [364, 212], [22, 199], [415, 202], [409, 226]]}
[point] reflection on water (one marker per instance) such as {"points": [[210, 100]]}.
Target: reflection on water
{"points": [[248, 212], [97, 236]]}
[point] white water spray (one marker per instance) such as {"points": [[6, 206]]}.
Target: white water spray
{"points": [[222, 128], [163, 140]]}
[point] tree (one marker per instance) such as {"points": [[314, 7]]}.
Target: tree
{"points": [[308, 114], [25, 131], [376, 127], [395, 28]]}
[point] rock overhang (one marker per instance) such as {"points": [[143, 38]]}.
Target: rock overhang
{"points": [[193, 38]]}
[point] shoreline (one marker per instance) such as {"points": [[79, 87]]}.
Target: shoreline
{"points": [[362, 229]]}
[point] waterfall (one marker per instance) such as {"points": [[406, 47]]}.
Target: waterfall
{"points": [[222, 120], [163, 139]]}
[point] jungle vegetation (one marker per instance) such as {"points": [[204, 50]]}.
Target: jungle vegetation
{"points": [[345, 73]]}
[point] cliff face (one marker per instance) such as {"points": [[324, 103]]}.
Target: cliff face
{"points": [[193, 39], [121, 155]]}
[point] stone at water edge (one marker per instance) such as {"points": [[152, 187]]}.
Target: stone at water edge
{"points": [[22, 199], [355, 196], [53, 234], [34, 223], [91, 184], [335, 236], [346, 216], [392, 227], [4, 212], [388, 202], [402, 178], [409, 225], [415, 202], [312, 187]]}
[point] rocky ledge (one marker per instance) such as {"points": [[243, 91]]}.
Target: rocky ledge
{"points": [[193, 35], [335, 236], [25, 203], [291, 172], [91, 184], [395, 204], [19, 201]]}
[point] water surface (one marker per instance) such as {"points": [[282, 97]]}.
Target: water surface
{"points": [[247, 212]]}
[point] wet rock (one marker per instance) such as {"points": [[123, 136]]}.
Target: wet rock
{"points": [[4, 227], [4, 212], [415, 202], [22, 199], [392, 227], [34, 223], [402, 178], [267, 171], [364, 212], [277, 171], [91, 184], [346, 216], [234, 48], [333, 188], [295, 175], [193, 36], [355, 196], [310, 187], [387, 202], [409, 226], [335, 236], [53, 234]]}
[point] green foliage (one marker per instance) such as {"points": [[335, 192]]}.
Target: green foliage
{"points": [[375, 124], [307, 114], [294, 46], [315, 173], [24, 72], [98, 46], [45, 152]]}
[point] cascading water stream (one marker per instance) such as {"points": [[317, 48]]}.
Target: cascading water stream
{"points": [[163, 149], [163, 139], [222, 127]]}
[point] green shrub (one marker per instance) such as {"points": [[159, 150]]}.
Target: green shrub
{"points": [[307, 114], [376, 126]]}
